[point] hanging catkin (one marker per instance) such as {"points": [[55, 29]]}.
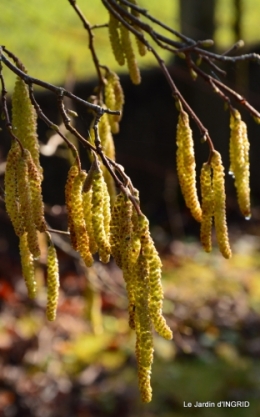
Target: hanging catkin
{"points": [[53, 283], [220, 205], [11, 193], [186, 166], [27, 266], [115, 40], [24, 121], [239, 161], [25, 199], [207, 197]]}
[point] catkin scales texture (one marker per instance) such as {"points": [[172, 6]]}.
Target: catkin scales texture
{"points": [[53, 283], [239, 161], [24, 121], [220, 205], [186, 166]]}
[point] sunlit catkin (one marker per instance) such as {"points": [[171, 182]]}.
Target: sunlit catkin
{"points": [[99, 220], [11, 194], [186, 166], [36, 196], [52, 283], [27, 266], [115, 40], [24, 121], [207, 197], [73, 172], [115, 229], [77, 218], [87, 211], [25, 199], [155, 284], [114, 97], [133, 69], [239, 161], [140, 45], [143, 326], [220, 205]]}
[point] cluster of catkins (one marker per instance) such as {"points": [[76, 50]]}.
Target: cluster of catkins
{"points": [[23, 196], [212, 181], [100, 221], [119, 231], [121, 43]]}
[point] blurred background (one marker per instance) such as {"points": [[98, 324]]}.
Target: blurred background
{"points": [[83, 364]]}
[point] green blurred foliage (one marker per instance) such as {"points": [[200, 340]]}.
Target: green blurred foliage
{"points": [[48, 36]]}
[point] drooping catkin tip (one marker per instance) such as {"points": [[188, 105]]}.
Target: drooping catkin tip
{"points": [[52, 283]]}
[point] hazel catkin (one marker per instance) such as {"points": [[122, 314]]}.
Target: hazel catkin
{"points": [[127, 46], [11, 193], [24, 121], [186, 166], [115, 40], [77, 218], [207, 197], [25, 199], [239, 161], [28, 269], [220, 205], [100, 215], [52, 283]]}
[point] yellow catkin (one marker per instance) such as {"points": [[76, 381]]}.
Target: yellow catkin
{"points": [[27, 266], [106, 137], [143, 326], [220, 205], [36, 196], [114, 97], [155, 284], [207, 197], [11, 194], [77, 218], [52, 283], [115, 41], [87, 210], [186, 166], [239, 161], [24, 121], [115, 229], [73, 172], [141, 47], [24, 193], [99, 201], [129, 246], [133, 69]]}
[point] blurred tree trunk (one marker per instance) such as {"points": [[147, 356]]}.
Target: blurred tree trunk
{"points": [[197, 18]]}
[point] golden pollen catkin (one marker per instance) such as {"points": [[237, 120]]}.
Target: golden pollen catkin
{"points": [[25, 199], [115, 229], [77, 218], [133, 69], [114, 97], [11, 193], [73, 172], [207, 197], [100, 216], [143, 326], [27, 266], [186, 166], [220, 205], [115, 41], [24, 121], [52, 283], [239, 161], [87, 211], [36, 196], [155, 284]]}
